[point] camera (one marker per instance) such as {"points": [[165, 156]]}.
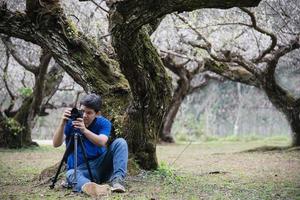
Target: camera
{"points": [[75, 113]]}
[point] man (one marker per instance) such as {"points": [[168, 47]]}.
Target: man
{"points": [[107, 164]]}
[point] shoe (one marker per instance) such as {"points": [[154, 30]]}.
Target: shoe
{"points": [[95, 190], [65, 184], [116, 186]]}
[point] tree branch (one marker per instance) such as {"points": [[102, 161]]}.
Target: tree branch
{"points": [[12, 49], [8, 111], [99, 6], [177, 69], [235, 73], [200, 85], [168, 52], [227, 56], [281, 51], [78, 55], [17, 25], [39, 87], [140, 12], [187, 75], [265, 32], [53, 80], [206, 77], [199, 34], [5, 75]]}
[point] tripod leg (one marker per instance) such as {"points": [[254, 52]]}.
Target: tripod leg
{"points": [[67, 152], [74, 182], [85, 158]]}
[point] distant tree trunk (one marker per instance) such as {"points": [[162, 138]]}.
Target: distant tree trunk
{"points": [[15, 131], [283, 101], [238, 112], [292, 114], [19, 134], [23, 117], [294, 121], [182, 90], [179, 94]]}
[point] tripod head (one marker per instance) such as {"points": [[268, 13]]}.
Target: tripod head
{"points": [[75, 113]]}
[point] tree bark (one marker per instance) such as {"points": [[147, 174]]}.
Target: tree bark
{"points": [[181, 91], [179, 94], [283, 100], [150, 87], [294, 121], [288, 106]]}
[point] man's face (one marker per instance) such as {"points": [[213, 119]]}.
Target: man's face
{"points": [[88, 115]]}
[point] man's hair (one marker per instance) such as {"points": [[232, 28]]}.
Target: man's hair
{"points": [[92, 101]]}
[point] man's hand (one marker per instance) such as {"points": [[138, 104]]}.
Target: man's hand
{"points": [[58, 136], [66, 114], [79, 124]]}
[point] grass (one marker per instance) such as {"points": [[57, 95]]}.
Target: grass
{"points": [[236, 174], [240, 138]]}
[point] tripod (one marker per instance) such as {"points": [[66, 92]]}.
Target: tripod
{"points": [[72, 145]]}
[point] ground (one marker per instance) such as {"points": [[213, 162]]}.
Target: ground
{"points": [[209, 170]]}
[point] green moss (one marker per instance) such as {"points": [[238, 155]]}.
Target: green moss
{"points": [[290, 98], [25, 91], [221, 67], [71, 29], [13, 126]]}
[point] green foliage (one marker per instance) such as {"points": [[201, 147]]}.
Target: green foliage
{"points": [[165, 170], [14, 126], [167, 173], [25, 92]]}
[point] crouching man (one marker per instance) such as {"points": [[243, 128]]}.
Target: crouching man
{"points": [[107, 164]]}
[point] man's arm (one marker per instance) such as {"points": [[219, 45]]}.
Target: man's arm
{"points": [[99, 140], [58, 137]]}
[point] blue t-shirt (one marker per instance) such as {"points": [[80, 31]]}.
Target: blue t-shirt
{"points": [[100, 125]]}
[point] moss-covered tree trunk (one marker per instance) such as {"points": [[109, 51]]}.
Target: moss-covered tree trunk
{"points": [[150, 86]]}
